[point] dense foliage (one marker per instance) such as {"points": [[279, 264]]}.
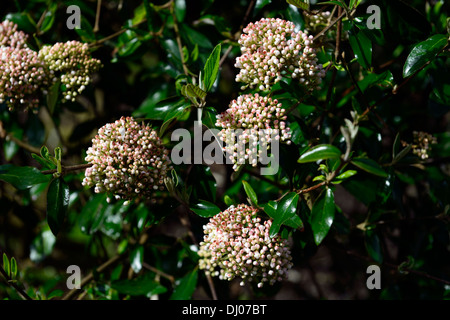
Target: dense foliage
{"points": [[348, 101]]}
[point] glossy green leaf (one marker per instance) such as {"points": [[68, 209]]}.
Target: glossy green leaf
{"points": [[42, 245], [136, 258], [320, 152], [22, 177], [13, 268], [211, 69], [57, 204], [49, 18], [347, 174], [184, 288], [251, 194], [6, 265], [361, 46], [322, 215], [423, 52], [373, 245], [205, 209], [370, 166], [285, 210], [144, 285]]}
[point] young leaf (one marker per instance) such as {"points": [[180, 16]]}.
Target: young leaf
{"points": [[250, 193], [422, 53], [206, 209], [370, 166], [211, 68], [299, 4], [322, 216], [57, 204], [185, 286], [320, 152], [13, 268], [6, 266]]}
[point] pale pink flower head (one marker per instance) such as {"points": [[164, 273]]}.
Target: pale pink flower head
{"points": [[128, 160], [237, 244], [272, 49]]}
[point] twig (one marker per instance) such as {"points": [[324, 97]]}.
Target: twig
{"points": [[66, 169], [97, 16], [178, 39], [329, 26], [159, 272], [90, 276], [22, 144], [11, 283]]}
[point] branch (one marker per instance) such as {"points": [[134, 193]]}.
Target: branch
{"points": [[11, 283], [66, 169], [90, 276]]}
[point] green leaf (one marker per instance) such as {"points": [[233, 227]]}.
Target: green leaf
{"points": [[13, 268], [285, 211], [185, 286], [347, 174], [144, 285], [370, 166], [322, 215], [6, 265], [57, 204], [49, 18], [373, 245], [136, 258], [52, 96], [320, 152], [250, 193], [42, 245], [160, 110], [422, 53], [205, 209], [22, 177], [361, 46], [299, 4], [193, 91], [211, 68]]}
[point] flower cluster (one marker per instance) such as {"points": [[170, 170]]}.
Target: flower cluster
{"points": [[23, 78], [72, 63], [128, 160], [422, 143], [261, 122], [271, 49], [10, 37], [316, 22], [237, 243]]}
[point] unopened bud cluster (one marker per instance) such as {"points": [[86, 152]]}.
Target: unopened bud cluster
{"points": [[316, 22], [422, 143], [272, 49], [23, 78], [26, 75], [261, 122], [72, 63], [237, 244], [128, 160], [10, 37]]}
